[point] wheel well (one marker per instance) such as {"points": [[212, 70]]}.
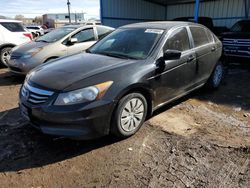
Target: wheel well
{"points": [[7, 45], [50, 58], [142, 91], [147, 96]]}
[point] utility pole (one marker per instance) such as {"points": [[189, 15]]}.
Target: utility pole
{"points": [[68, 3]]}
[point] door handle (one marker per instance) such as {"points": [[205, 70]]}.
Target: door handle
{"points": [[213, 49], [190, 58]]}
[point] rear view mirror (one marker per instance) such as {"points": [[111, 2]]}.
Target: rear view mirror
{"points": [[172, 55], [73, 40]]}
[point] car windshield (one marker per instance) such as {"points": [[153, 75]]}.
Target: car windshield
{"points": [[56, 34], [132, 43], [242, 26]]}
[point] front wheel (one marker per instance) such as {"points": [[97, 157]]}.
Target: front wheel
{"points": [[129, 116], [5, 55], [216, 77]]}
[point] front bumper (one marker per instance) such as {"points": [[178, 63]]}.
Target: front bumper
{"points": [[84, 122], [22, 66]]}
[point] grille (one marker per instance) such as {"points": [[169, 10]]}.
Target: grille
{"points": [[237, 47], [236, 42], [34, 95]]}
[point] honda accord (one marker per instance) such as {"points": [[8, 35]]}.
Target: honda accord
{"points": [[121, 80]]}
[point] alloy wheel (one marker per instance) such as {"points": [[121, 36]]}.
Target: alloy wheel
{"points": [[6, 56], [217, 75], [132, 114]]}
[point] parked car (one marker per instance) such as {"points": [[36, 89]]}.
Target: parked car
{"points": [[237, 42], [206, 21], [63, 41], [36, 30], [121, 80], [12, 33], [48, 30]]}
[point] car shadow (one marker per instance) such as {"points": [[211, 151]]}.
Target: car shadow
{"points": [[23, 147], [8, 79], [234, 91]]}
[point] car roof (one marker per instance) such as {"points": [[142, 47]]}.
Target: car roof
{"points": [[165, 25], [85, 26], [8, 20]]}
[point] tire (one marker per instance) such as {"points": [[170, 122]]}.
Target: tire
{"points": [[216, 77], [5, 55], [129, 115]]}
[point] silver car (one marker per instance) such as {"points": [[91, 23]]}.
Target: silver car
{"points": [[60, 42]]}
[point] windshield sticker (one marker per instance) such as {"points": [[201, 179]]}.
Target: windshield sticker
{"points": [[155, 31]]}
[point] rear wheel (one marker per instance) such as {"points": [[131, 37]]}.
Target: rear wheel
{"points": [[5, 55], [130, 115], [216, 77]]}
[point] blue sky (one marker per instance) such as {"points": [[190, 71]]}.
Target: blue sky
{"points": [[32, 8]]}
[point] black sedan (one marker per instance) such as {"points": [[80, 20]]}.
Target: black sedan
{"points": [[121, 80]]}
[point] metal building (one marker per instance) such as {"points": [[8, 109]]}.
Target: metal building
{"points": [[223, 12]]}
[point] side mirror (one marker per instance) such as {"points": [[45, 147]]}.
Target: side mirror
{"points": [[171, 55], [73, 40]]}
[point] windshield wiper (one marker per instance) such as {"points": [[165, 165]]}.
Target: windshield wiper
{"points": [[121, 56]]}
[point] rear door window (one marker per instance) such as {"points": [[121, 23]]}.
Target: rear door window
{"points": [[103, 32], [85, 35], [178, 40], [199, 36], [13, 27], [210, 36]]}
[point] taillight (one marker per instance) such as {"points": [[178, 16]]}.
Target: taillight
{"points": [[28, 35]]}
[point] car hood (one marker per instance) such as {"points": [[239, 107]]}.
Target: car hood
{"points": [[236, 35], [29, 46], [64, 72]]}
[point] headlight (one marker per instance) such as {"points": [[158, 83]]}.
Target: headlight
{"points": [[83, 95], [31, 53]]}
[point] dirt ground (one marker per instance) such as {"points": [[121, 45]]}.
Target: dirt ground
{"points": [[202, 140]]}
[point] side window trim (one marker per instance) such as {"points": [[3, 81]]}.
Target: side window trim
{"points": [[174, 32], [81, 31], [160, 53], [210, 33], [69, 36], [95, 33], [193, 38]]}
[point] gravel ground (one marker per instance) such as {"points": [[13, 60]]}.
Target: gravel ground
{"points": [[202, 140]]}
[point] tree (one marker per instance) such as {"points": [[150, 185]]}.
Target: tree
{"points": [[38, 20], [19, 17]]}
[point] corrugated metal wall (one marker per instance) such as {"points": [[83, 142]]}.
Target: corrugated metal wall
{"points": [[121, 12], [223, 12]]}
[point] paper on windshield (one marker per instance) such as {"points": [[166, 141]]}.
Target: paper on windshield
{"points": [[155, 31]]}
